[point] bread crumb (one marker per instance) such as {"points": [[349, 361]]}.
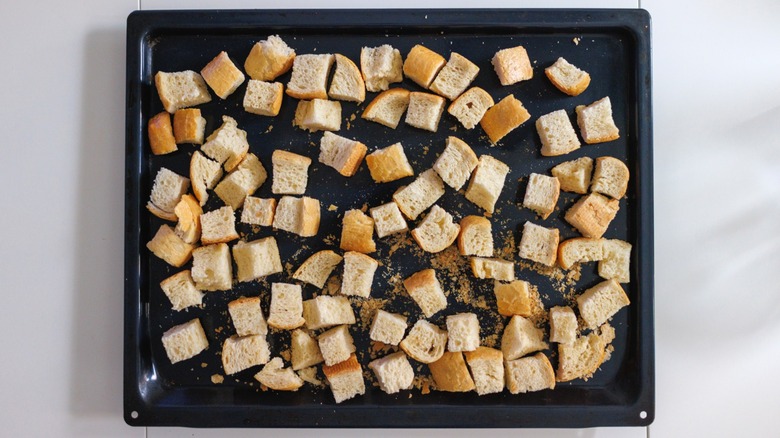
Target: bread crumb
{"points": [[270, 128], [203, 364], [332, 207], [576, 41], [217, 379]]}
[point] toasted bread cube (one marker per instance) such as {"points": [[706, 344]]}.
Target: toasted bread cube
{"points": [[567, 78], [425, 110], [227, 145], [530, 374], [327, 311], [181, 89], [358, 275], [580, 250], [168, 246], [422, 64], [450, 373], [184, 341], [258, 211], [269, 59], [610, 177], [462, 332], [205, 174], [487, 182], [503, 117], [188, 212], [592, 214], [541, 194], [381, 66], [298, 215], [520, 338], [455, 77], [318, 115], [437, 231], [309, 78], [422, 193], [388, 107], [574, 176], [181, 291], [189, 126], [167, 190], [347, 83], [286, 306], [212, 269], [581, 358], [393, 372], [336, 345], [616, 262], [388, 219], [426, 291], [599, 303], [345, 379], [275, 376], [388, 328], [263, 98], [291, 173], [305, 351], [498, 269], [539, 244], [596, 122], [563, 325], [476, 236], [341, 153], [218, 226], [512, 65], [357, 232], [456, 163], [487, 367], [241, 182], [425, 342], [317, 268], [389, 164], [222, 75], [557, 134], [513, 298], [161, 138], [240, 353], [247, 316], [471, 106]]}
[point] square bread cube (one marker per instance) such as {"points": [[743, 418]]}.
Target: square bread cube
{"points": [[483, 267], [487, 182], [423, 192], [388, 220], [218, 226], [388, 328], [567, 78], [317, 268], [599, 303], [167, 190], [563, 325], [616, 262], [309, 79], [358, 274], [286, 306], [541, 194], [347, 82], [610, 177], [557, 134], [425, 110], [184, 341], [227, 145], [487, 368], [437, 231], [336, 345], [521, 337], [181, 89], [205, 174], [327, 311], [258, 211], [426, 291], [476, 236], [381, 66], [581, 358], [387, 107], [298, 215], [269, 59], [241, 182], [161, 137], [222, 75], [389, 164], [592, 214], [247, 316], [168, 246], [471, 106], [305, 351], [342, 154], [318, 115], [462, 332], [513, 298], [256, 259], [456, 163], [455, 77], [451, 374], [422, 64], [212, 269], [393, 372], [357, 232], [240, 353], [503, 118], [291, 173], [425, 342], [512, 65], [529, 374], [181, 291], [539, 244], [574, 176], [579, 250], [345, 379], [263, 98], [596, 122], [189, 126]]}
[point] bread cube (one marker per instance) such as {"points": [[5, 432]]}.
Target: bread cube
{"points": [[275, 376], [212, 269], [167, 190], [503, 118], [498, 269], [512, 65], [389, 164], [347, 83], [580, 250], [222, 75], [327, 311], [437, 231], [476, 236], [393, 372], [425, 110], [592, 214], [567, 78], [218, 226], [161, 138], [388, 220], [425, 342], [345, 379], [181, 291], [487, 369], [336, 345], [357, 232], [610, 177], [286, 306], [471, 106], [616, 262], [574, 176], [520, 338], [258, 211], [426, 291], [227, 145], [557, 134], [455, 77], [318, 115], [358, 274], [305, 351], [341, 153], [181, 89], [269, 59], [291, 173], [462, 332], [381, 66], [456, 163], [423, 192], [513, 298], [563, 325], [241, 182], [247, 316], [422, 64], [240, 353], [309, 78], [317, 268], [451, 374], [487, 182], [263, 98], [188, 126], [539, 244], [205, 174], [184, 341], [596, 122], [387, 328], [581, 358], [541, 194], [599, 303], [168, 246], [529, 374], [256, 259], [298, 215], [387, 107]]}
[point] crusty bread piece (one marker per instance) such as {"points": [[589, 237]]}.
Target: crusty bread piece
{"points": [[327, 311], [227, 144], [318, 115], [286, 306], [336, 345], [269, 59], [574, 176], [456, 163], [240, 353], [426, 291], [342, 154], [222, 75], [204, 174], [357, 232], [188, 213], [347, 83], [317, 268], [309, 78], [579, 250], [218, 226], [487, 369], [422, 64], [393, 372], [358, 274], [581, 358], [513, 298], [388, 328], [212, 269], [181, 89], [389, 164], [291, 173], [345, 379], [423, 192], [256, 259], [247, 316], [275, 376], [160, 131], [567, 78], [425, 342], [184, 341], [425, 110], [539, 244], [541, 194], [610, 177], [563, 325], [512, 65], [455, 77], [437, 231], [168, 246], [462, 332], [592, 214], [497, 269], [381, 66], [470, 106], [521, 337], [167, 191], [247, 177], [181, 291], [530, 374], [388, 219], [263, 98], [487, 182], [388, 107], [258, 211], [503, 117], [616, 262], [298, 215], [557, 134], [602, 301], [451, 374], [596, 122], [475, 237], [305, 351], [188, 126]]}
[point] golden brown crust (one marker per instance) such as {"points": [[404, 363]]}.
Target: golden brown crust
{"points": [[222, 75], [161, 137], [188, 212], [160, 213], [310, 217], [421, 280], [504, 117], [592, 214], [168, 246], [264, 65], [465, 224], [351, 70], [451, 373], [352, 163], [484, 353], [422, 64], [348, 366], [563, 247], [357, 232], [574, 90], [188, 126], [398, 96]]}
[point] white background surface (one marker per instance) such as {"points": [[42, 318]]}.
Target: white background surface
{"points": [[717, 205]]}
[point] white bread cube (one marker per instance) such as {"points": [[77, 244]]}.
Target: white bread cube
{"points": [[616, 263], [256, 259], [487, 368], [422, 64], [241, 182], [167, 190], [318, 115], [222, 75], [345, 379], [455, 77], [240, 353], [512, 65], [327, 311], [275, 376], [503, 118], [426, 291], [247, 316], [487, 182], [212, 269], [539, 244], [309, 78], [168, 246], [184, 341], [580, 250], [574, 176], [513, 298], [218, 226], [437, 231], [258, 211], [317, 268], [462, 332], [425, 110], [381, 66], [599, 303], [423, 192], [263, 98], [610, 177], [181, 291], [188, 126], [592, 214], [269, 59], [181, 89], [347, 83], [529, 374], [227, 145], [498, 269], [456, 163], [425, 342], [388, 220], [357, 232], [521, 337], [581, 358], [471, 106], [389, 164], [291, 173], [557, 134], [596, 122], [298, 215], [541, 194], [567, 78], [305, 351], [358, 274], [341, 153], [393, 372], [563, 325], [286, 306], [451, 374], [476, 236], [161, 137], [388, 328], [336, 345], [188, 212], [388, 107], [205, 173]]}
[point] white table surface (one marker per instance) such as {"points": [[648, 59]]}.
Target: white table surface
{"points": [[717, 204]]}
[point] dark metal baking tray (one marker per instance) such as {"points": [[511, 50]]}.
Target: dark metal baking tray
{"points": [[612, 45]]}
